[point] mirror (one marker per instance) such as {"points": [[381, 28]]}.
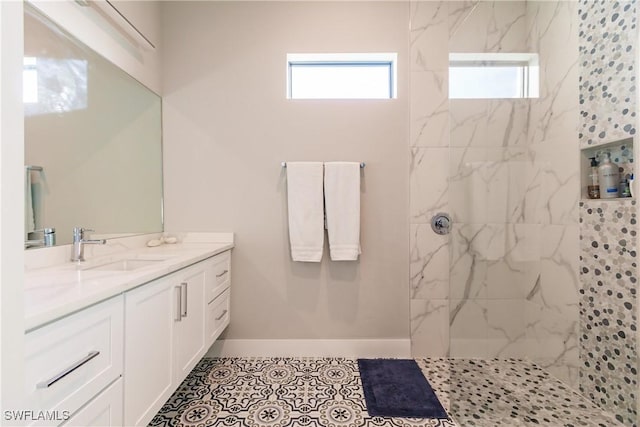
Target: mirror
{"points": [[93, 141]]}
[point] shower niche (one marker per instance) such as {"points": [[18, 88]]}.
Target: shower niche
{"points": [[621, 152]]}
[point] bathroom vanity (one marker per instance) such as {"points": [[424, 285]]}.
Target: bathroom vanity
{"points": [[109, 340]]}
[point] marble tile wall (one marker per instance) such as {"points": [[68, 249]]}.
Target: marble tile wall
{"points": [[429, 157], [608, 263], [551, 306], [505, 282]]}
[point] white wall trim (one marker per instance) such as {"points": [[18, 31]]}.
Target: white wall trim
{"points": [[393, 348], [11, 208]]}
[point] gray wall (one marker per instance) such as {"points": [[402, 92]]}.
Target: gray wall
{"points": [[227, 127]]}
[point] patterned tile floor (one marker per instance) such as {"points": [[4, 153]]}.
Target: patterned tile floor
{"points": [[283, 392]]}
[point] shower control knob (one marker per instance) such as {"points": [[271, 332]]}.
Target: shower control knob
{"points": [[441, 223]]}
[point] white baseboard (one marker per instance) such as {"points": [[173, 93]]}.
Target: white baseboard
{"points": [[392, 348]]}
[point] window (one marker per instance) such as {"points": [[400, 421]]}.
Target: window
{"points": [[493, 75], [341, 76], [54, 85], [29, 80]]}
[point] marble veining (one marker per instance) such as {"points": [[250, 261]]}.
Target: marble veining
{"points": [[429, 115], [428, 182], [487, 26], [430, 327], [429, 266], [511, 185]]}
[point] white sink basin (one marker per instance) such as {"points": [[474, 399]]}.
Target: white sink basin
{"points": [[126, 264]]}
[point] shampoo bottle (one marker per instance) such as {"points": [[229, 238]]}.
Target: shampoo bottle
{"points": [[593, 189], [609, 178]]}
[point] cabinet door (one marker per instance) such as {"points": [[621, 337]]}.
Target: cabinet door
{"points": [[148, 364], [104, 410], [189, 341]]}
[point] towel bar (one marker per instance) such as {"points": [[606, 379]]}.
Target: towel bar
{"points": [[362, 165]]}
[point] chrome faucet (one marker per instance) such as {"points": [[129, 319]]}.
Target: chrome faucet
{"points": [[79, 241], [48, 238]]}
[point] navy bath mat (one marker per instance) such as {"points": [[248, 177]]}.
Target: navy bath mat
{"points": [[397, 388]]}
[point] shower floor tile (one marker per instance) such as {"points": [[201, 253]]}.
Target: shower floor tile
{"points": [[283, 392]]}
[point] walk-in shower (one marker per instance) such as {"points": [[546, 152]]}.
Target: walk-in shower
{"points": [[530, 270]]}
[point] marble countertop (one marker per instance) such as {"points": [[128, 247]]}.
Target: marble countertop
{"points": [[55, 291]]}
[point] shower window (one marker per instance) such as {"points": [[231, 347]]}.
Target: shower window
{"points": [[493, 75], [341, 76], [30, 80]]}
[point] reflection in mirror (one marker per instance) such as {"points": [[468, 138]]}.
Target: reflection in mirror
{"points": [[93, 148]]}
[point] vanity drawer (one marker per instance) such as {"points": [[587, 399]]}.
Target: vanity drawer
{"points": [[70, 361], [105, 410], [220, 274], [218, 315]]}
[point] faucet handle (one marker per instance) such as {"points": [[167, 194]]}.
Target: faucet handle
{"points": [[78, 233]]}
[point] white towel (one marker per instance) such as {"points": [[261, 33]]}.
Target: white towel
{"points": [[29, 217], [342, 202], [306, 221]]}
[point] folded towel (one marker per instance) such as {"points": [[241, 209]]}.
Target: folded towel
{"points": [[342, 201], [304, 195]]}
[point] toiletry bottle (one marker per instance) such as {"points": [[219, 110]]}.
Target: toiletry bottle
{"points": [[623, 189], [631, 181], [609, 178], [593, 189]]}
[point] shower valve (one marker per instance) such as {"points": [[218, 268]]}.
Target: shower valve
{"points": [[441, 223]]}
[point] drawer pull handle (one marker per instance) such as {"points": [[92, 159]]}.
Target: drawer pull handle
{"points": [[70, 369], [183, 298], [222, 315], [222, 274]]}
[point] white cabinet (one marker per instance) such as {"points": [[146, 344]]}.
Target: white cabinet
{"points": [[148, 359], [218, 296], [218, 275], [166, 334], [189, 343], [104, 410], [70, 361], [218, 316], [117, 362]]}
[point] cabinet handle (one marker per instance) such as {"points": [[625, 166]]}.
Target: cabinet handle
{"points": [[222, 315], [222, 274], [178, 317], [70, 369], [184, 286]]}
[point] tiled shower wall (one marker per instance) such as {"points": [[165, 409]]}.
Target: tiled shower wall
{"points": [[608, 266], [505, 282]]}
